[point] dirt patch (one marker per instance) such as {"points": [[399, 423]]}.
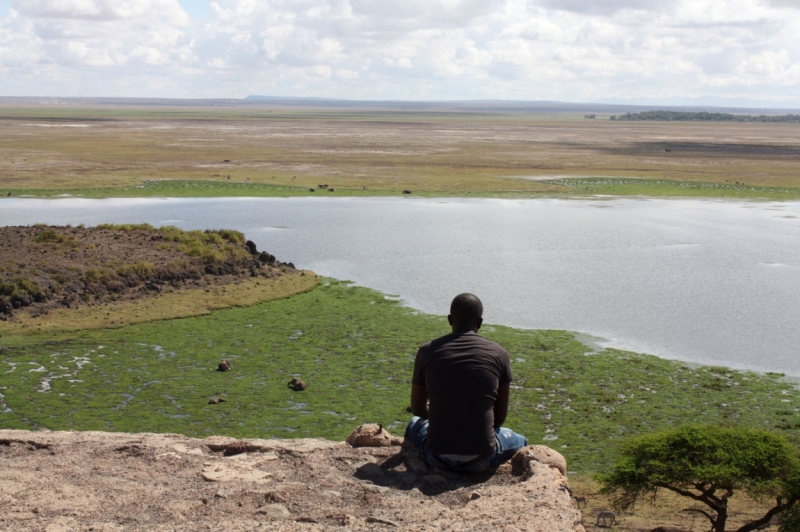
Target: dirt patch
{"points": [[44, 268]]}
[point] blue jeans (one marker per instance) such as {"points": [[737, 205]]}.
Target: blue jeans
{"points": [[508, 443]]}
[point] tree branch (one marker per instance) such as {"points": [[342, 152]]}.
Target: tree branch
{"points": [[701, 512], [704, 497], [767, 517]]}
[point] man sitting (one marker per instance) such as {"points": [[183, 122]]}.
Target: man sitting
{"points": [[459, 396]]}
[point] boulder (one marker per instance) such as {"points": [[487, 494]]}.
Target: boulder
{"points": [[537, 453], [372, 435]]}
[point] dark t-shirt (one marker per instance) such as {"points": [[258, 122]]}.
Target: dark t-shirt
{"points": [[461, 373]]}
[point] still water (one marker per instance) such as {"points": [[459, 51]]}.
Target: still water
{"points": [[704, 281]]}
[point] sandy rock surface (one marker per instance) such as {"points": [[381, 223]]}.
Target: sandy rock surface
{"points": [[70, 481]]}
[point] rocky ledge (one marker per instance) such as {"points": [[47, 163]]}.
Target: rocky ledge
{"points": [[54, 481]]}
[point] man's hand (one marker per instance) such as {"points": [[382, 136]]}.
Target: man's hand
{"points": [[419, 401], [500, 405]]}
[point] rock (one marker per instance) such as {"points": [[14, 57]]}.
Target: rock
{"points": [[414, 492], [297, 385], [381, 520], [370, 471], [408, 477], [288, 482], [372, 435], [435, 479], [219, 472], [273, 497], [415, 463], [538, 453], [373, 488], [274, 511], [372, 498], [251, 247]]}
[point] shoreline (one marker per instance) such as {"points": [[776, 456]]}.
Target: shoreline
{"points": [[344, 340], [571, 187]]}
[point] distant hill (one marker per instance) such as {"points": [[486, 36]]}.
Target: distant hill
{"points": [[474, 106], [703, 116], [531, 106]]}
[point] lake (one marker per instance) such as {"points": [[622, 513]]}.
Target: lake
{"points": [[704, 281]]}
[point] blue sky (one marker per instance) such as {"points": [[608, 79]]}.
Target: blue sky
{"points": [[732, 53], [195, 8]]}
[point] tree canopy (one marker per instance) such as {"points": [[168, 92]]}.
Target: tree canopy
{"points": [[708, 464]]}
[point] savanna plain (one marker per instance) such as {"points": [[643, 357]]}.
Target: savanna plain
{"points": [[147, 364]]}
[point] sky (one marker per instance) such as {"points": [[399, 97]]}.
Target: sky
{"points": [[742, 53]]}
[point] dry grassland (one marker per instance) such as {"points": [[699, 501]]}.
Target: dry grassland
{"points": [[178, 303], [64, 147], [667, 510]]}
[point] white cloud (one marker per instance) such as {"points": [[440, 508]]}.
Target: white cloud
{"points": [[784, 3], [604, 7], [102, 9], [521, 49]]}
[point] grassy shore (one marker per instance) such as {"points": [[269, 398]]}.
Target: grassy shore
{"points": [[561, 188], [355, 349]]}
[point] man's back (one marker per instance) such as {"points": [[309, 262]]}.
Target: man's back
{"points": [[461, 373]]}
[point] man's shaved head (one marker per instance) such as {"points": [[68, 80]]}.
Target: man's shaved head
{"points": [[466, 312]]}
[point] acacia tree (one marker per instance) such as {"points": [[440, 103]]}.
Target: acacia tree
{"points": [[708, 464]]}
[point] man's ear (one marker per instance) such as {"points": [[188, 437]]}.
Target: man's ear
{"points": [[479, 322], [450, 320]]}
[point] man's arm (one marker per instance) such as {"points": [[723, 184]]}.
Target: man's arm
{"points": [[419, 401], [501, 404]]}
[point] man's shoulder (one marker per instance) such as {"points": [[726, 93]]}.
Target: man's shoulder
{"points": [[437, 342], [470, 337]]}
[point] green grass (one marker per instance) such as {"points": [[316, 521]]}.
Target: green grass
{"points": [[196, 189], [668, 188], [355, 349], [572, 187]]}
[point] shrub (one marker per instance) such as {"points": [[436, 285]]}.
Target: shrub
{"points": [[47, 235], [140, 269], [126, 227], [20, 286], [234, 237]]}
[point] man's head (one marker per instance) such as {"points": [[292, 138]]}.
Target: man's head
{"points": [[466, 313]]}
